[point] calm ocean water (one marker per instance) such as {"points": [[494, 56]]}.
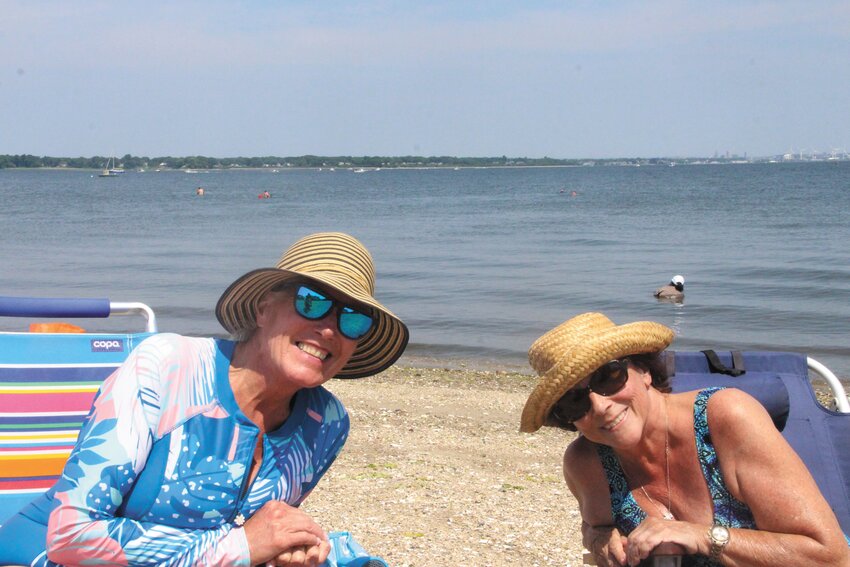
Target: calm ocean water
{"points": [[478, 262]]}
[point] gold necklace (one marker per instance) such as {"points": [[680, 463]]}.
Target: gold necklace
{"points": [[666, 513]]}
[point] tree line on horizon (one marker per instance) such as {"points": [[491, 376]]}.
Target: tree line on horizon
{"points": [[204, 162], [130, 162]]}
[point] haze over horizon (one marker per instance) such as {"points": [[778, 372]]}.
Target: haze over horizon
{"points": [[578, 80]]}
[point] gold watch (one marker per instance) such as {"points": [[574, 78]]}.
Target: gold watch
{"points": [[719, 538]]}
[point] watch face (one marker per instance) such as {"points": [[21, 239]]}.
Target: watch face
{"points": [[719, 534]]}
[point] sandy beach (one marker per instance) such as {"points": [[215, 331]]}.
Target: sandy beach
{"points": [[436, 472]]}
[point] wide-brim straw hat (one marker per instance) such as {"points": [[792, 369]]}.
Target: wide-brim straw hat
{"points": [[339, 263], [573, 350]]}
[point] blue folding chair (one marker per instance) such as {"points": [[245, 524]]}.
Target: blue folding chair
{"points": [[780, 381]]}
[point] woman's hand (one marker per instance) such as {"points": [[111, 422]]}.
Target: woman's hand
{"points": [[682, 538], [606, 544], [304, 556], [281, 534]]}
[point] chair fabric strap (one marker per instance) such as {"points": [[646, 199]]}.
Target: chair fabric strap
{"points": [[716, 366]]}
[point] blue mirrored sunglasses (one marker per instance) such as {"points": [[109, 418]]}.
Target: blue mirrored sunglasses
{"points": [[315, 305]]}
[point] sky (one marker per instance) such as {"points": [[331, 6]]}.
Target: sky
{"points": [[521, 78]]}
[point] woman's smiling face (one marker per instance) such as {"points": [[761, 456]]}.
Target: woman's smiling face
{"points": [[305, 353], [618, 418]]}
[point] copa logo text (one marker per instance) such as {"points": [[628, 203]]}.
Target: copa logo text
{"points": [[107, 345]]}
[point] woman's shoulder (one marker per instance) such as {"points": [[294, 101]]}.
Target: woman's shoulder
{"points": [[588, 481], [168, 362], [171, 343], [580, 448], [735, 416], [581, 458], [321, 400], [176, 351], [724, 402], [730, 402]]}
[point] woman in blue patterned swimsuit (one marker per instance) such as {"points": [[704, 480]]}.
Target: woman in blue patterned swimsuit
{"points": [[198, 451], [702, 474]]}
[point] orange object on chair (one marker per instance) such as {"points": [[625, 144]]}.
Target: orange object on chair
{"points": [[58, 327]]}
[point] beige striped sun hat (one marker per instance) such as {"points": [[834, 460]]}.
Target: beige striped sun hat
{"points": [[573, 350], [339, 263]]}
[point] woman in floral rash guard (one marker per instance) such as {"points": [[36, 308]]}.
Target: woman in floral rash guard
{"points": [[198, 451]]}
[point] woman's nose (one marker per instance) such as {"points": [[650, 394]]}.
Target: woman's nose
{"points": [[598, 403], [326, 326]]}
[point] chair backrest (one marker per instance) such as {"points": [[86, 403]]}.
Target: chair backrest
{"points": [[47, 383], [780, 381]]}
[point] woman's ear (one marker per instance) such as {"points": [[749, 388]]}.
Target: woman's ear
{"points": [[263, 307], [646, 376]]}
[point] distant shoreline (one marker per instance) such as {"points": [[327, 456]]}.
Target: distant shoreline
{"points": [[372, 163], [409, 168]]}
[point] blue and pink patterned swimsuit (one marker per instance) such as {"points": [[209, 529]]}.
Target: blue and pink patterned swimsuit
{"points": [[159, 475], [728, 511]]}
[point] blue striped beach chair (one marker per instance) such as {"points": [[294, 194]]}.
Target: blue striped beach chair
{"points": [[48, 381], [47, 384]]}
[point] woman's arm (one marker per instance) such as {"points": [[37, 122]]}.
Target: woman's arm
{"points": [[587, 481], [795, 524], [111, 451]]}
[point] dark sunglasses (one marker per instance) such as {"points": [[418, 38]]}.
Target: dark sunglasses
{"points": [[607, 380], [314, 305]]}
